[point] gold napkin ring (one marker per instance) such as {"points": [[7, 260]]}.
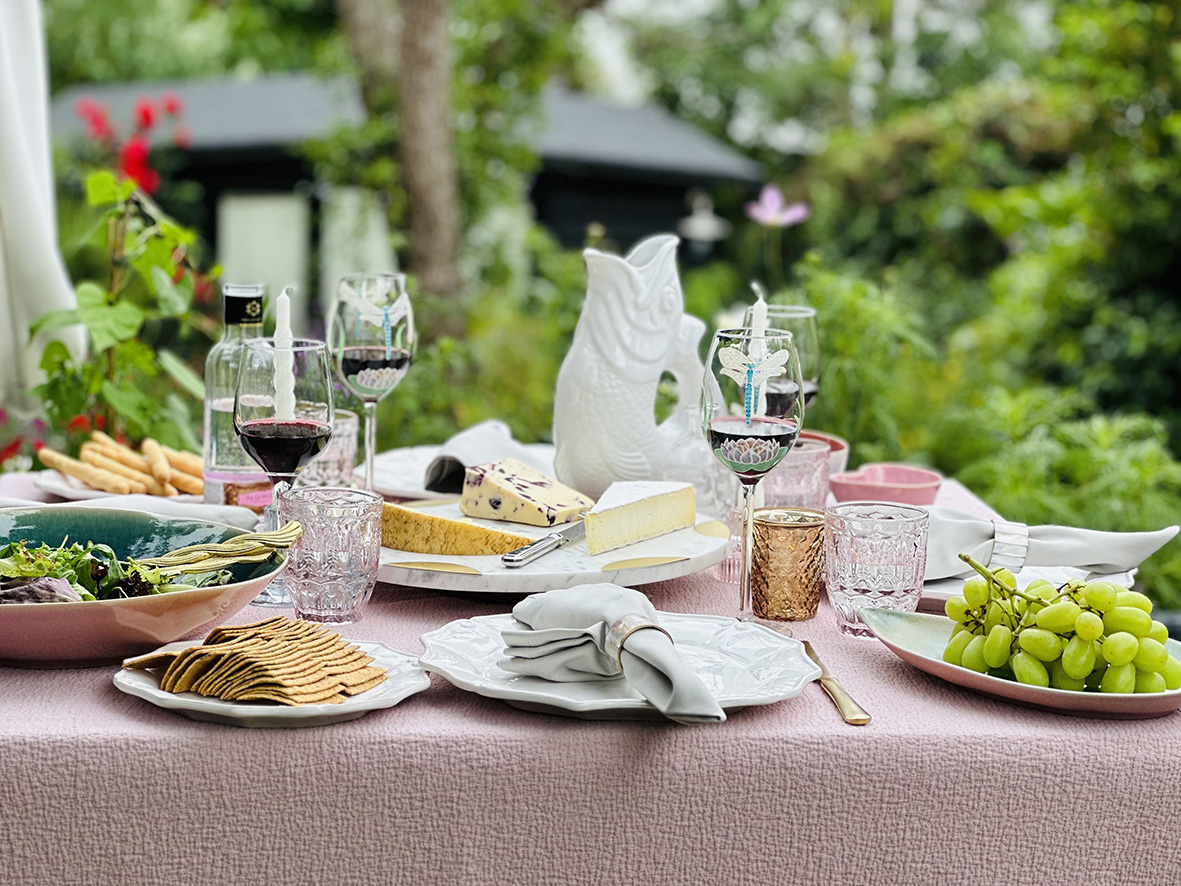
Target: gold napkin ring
{"points": [[620, 630]]}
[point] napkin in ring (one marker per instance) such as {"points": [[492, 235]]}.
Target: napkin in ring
{"points": [[997, 543], [622, 628], [564, 637]]}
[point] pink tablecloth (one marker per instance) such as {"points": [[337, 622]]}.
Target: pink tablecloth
{"points": [[944, 786]]}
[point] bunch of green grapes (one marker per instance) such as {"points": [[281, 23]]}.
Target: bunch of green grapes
{"points": [[1092, 635]]}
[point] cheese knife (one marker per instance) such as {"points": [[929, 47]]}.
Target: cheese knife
{"points": [[544, 545]]}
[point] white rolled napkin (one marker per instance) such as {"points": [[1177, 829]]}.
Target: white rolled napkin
{"points": [[570, 635], [488, 441], [997, 543], [243, 518]]}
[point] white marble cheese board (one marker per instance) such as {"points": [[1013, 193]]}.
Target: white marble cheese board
{"points": [[678, 553]]}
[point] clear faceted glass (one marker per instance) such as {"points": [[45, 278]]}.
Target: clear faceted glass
{"points": [[875, 555], [332, 568]]}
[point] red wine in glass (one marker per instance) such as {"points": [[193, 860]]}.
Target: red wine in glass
{"points": [[751, 450], [283, 448]]}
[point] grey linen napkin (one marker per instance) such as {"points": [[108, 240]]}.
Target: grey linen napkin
{"points": [[243, 518], [564, 637], [996, 543], [488, 441]]}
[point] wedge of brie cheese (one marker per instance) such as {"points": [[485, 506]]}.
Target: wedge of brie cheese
{"points": [[406, 529], [633, 510], [511, 490]]}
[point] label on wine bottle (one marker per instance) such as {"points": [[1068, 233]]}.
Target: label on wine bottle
{"points": [[230, 490]]}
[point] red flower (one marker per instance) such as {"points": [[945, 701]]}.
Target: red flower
{"points": [[11, 449], [133, 163], [100, 422], [79, 423], [98, 121], [182, 136], [171, 103], [145, 114]]}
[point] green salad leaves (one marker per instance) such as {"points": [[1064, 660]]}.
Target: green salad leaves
{"points": [[85, 572]]}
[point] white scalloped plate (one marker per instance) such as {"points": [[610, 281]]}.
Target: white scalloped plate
{"points": [[742, 663], [919, 639], [403, 678]]}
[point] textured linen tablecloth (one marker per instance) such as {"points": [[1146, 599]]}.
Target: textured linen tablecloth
{"points": [[943, 787]]}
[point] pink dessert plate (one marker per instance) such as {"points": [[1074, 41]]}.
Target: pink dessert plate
{"points": [[886, 481], [919, 639]]}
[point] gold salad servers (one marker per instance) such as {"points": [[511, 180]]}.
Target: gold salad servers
{"points": [[252, 547]]}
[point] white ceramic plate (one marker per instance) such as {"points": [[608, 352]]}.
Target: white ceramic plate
{"points": [[742, 663], [919, 640], [678, 553], [404, 678], [400, 473], [937, 592], [75, 490]]}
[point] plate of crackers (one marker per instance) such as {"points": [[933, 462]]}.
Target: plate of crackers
{"points": [[106, 467], [273, 673]]}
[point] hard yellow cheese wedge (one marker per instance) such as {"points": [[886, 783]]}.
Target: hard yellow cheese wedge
{"points": [[406, 529]]}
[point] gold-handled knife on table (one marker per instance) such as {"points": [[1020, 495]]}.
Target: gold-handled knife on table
{"points": [[850, 710]]}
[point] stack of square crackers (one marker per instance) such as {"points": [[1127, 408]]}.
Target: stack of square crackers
{"points": [[277, 660]]}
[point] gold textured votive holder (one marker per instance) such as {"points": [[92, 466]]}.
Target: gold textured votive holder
{"points": [[787, 563]]}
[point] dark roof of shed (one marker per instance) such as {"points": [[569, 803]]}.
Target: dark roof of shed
{"points": [[281, 110]]}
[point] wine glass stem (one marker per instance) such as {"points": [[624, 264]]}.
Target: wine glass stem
{"points": [[270, 514], [370, 441], [745, 607]]}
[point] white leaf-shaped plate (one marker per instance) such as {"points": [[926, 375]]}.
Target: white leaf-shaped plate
{"points": [[742, 663], [919, 639]]}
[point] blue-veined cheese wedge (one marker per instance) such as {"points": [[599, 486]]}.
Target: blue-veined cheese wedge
{"points": [[512, 491], [633, 510]]}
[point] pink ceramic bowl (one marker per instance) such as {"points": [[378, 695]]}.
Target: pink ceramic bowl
{"points": [[839, 446], [83, 634], [886, 481]]}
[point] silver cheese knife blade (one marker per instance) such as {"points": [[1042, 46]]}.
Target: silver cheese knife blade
{"points": [[544, 545]]}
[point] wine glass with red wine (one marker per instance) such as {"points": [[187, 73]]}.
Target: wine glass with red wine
{"points": [[752, 414], [800, 321], [371, 330], [283, 414]]}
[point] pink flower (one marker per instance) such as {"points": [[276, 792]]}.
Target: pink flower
{"points": [[770, 211], [182, 136]]}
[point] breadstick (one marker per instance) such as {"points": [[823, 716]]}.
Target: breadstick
{"points": [[187, 483], [157, 460], [184, 461], [140, 482], [120, 453], [95, 478]]}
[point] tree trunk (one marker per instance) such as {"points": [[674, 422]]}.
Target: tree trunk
{"points": [[429, 169], [374, 31]]}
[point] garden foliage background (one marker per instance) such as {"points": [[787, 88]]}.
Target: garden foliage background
{"points": [[993, 241]]}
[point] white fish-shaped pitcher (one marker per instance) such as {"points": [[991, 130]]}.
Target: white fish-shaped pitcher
{"points": [[631, 331]]}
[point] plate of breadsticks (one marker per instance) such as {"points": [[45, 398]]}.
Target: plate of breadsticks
{"points": [[106, 467]]}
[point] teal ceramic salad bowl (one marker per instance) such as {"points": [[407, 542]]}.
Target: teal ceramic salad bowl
{"points": [[99, 632]]}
